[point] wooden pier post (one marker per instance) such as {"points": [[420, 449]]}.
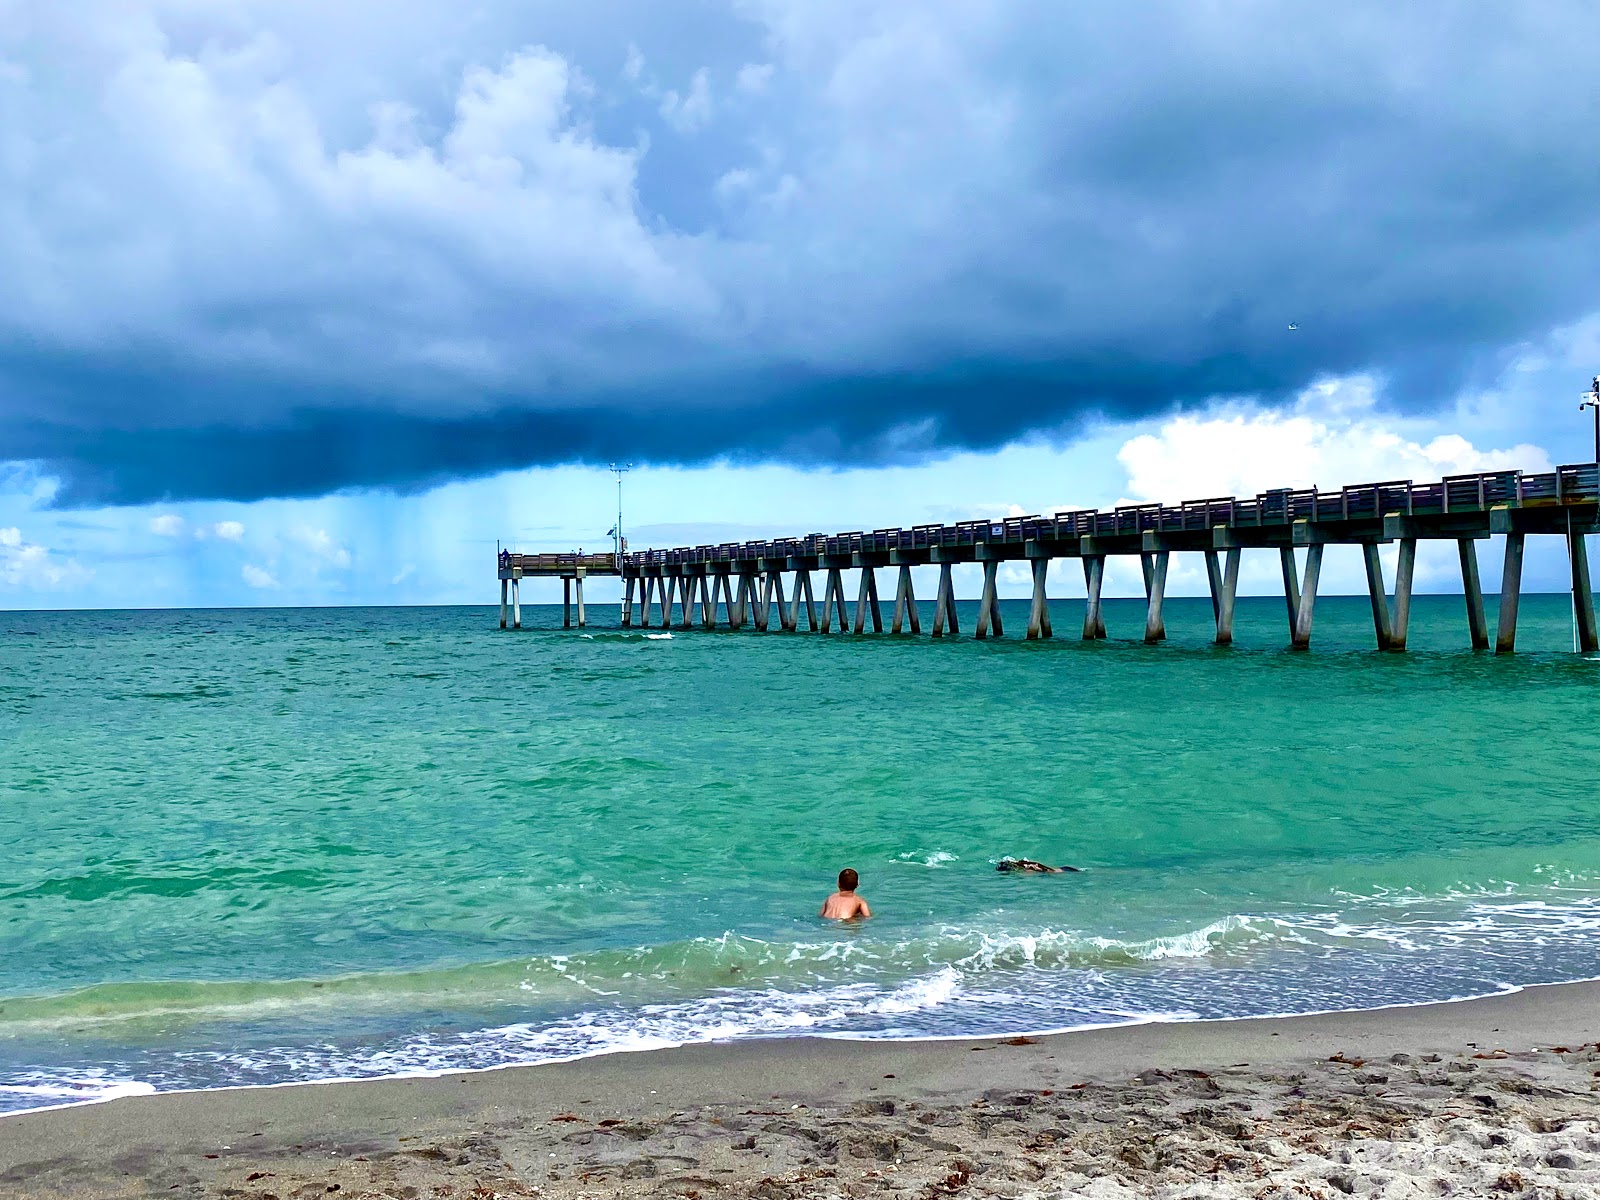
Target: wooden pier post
{"points": [[1505, 639], [989, 606], [905, 603], [516, 602], [1039, 612], [1094, 574], [1308, 598], [1223, 579], [1582, 590], [566, 602], [944, 605], [1472, 591], [1155, 586], [867, 601], [505, 585]]}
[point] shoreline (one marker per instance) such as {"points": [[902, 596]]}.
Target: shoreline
{"points": [[965, 1039], [511, 1127]]}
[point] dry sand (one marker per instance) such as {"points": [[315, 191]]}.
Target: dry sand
{"points": [[1491, 1097]]}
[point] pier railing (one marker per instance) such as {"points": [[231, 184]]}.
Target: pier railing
{"points": [[1568, 485]]}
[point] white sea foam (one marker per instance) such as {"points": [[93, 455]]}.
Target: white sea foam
{"points": [[926, 858], [658, 637]]}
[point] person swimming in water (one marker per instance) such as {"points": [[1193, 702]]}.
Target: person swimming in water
{"points": [[845, 905], [1027, 864]]}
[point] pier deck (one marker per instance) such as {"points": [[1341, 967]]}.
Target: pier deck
{"points": [[743, 580], [571, 569]]}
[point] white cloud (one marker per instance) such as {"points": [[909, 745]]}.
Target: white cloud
{"points": [[229, 531], [25, 564], [166, 525], [321, 544], [1330, 438], [405, 573], [688, 113], [256, 577], [755, 78]]}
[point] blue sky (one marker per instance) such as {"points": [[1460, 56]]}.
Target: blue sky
{"points": [[307, 304]]}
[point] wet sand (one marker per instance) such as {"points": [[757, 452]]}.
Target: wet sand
{"points": [[1491, 1097]]}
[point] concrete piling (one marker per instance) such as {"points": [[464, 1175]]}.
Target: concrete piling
{"points": [[802, 583], [944, 605], [1505, 639], [1223, 580], [1094, 574], [1307, 598], [905, 604], [1039, 611], [1155, 587], [867, 602], [1582, 592], [516, 602], [566, 603], [989, 606], [1472, 593], [505, 585]]}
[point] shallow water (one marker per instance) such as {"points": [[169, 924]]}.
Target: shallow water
{"points": [[254, 846]]}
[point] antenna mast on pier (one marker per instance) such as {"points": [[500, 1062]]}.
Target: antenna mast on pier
{"points": [[618, 541], [1592, 400]]}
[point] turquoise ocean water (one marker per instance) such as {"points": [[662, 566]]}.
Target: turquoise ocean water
{"points": [[257, 846]]}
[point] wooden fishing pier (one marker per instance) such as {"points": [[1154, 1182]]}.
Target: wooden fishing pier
{"points": [[735, 582]]}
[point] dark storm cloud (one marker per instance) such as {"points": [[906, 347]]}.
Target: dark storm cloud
{"points": [[867, 232]]}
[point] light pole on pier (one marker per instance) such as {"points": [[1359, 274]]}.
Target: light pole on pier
{"points": [[1593, 401], [619, 470]]}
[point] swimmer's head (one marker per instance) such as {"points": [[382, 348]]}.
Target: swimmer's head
{"points": [[848, 880]]}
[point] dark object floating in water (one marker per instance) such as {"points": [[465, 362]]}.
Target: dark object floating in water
{"points": [[1027, 864]]}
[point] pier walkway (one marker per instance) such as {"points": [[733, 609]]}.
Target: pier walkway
{"points": [[735, 582], [571, 569]]}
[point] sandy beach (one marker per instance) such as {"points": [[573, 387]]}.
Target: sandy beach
{"points": [[1485, 1097]]}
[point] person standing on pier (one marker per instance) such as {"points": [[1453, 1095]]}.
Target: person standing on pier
{"points": [[845, 905]]}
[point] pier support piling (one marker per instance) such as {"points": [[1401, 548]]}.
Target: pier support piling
{"points": [[1472, 592], [1306, 595], [516, 603], [627, 601], [504, 589], [1039, 612], [1582, 591], [944, 605], [1378, 595], [566, 602], [1505, 638], [1223, 578], [761, 600], [775, 582], [1094, 574], [1155, 588], [989, 606], [1405, 572], [833, 599], [1291, 585], [802, 582], [905, 604], [867, 602]]}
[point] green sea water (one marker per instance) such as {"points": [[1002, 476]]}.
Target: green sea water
{"points": [[253, 846]]}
